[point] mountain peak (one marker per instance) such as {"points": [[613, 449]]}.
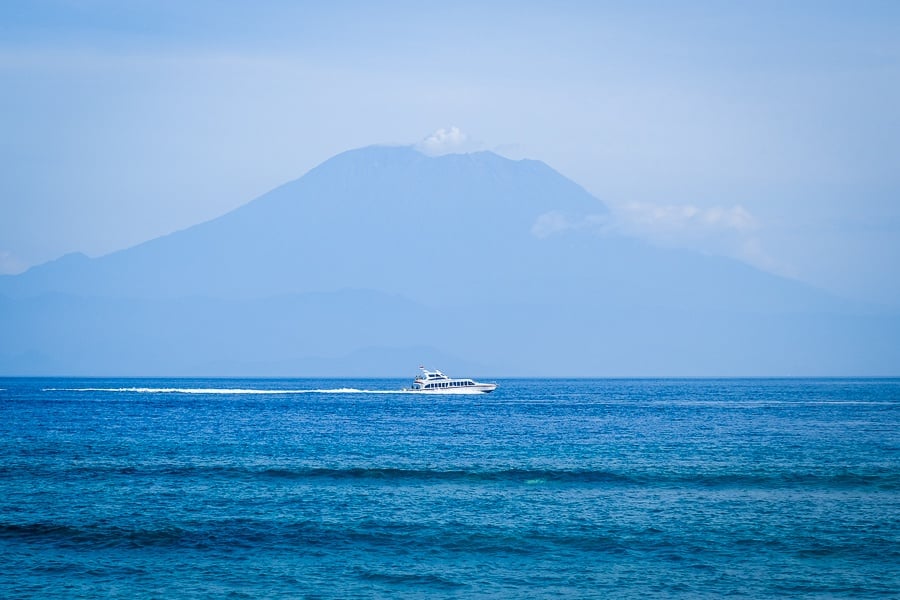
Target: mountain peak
{"points": [[411, 154], [383, 161]]}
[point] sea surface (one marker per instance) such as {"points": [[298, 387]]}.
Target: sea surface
{"points": [[547, 488]]}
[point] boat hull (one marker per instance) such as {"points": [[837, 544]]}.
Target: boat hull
{"points": [[480, 388]]}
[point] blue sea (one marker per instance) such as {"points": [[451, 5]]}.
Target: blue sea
{"points": [[547, 488]]}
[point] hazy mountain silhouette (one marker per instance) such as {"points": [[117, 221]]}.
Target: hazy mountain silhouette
{"points": [[382, 255], [380, 218]]}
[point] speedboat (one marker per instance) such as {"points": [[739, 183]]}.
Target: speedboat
{"points": [[435, 382]]}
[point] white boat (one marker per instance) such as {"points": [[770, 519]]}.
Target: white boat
{"points": [[435, 382]]}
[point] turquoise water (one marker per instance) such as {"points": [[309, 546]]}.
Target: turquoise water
{"points": [[215, 488]]}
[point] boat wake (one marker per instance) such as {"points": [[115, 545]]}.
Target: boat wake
{"points": [[223, 391], [249, 392]]}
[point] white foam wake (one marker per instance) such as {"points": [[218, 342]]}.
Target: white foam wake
{"points": [[223, 391], [249, 391]]}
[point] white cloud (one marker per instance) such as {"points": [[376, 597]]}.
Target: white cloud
{"points": [[663, 219], [448, 140], [721, 230]]}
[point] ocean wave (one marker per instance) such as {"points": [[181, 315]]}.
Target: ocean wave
{"points": [[383, 535], [406, 579], [879, 481], [91, 535], [537, 477], [362, 474], [388, 536], [526, 476]]}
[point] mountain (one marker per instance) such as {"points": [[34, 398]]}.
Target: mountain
{"points": [[376, 218], [383, 256]]}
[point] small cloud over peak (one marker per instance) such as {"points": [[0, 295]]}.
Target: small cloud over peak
{"points": [[448, 140]]}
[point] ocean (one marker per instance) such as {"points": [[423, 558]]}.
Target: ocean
{"points": [[547, 488]]}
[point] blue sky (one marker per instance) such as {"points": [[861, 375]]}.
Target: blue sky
{"points": [[765, 131]]}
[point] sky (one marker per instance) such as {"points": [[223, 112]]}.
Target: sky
{"points": [[767, 131]]}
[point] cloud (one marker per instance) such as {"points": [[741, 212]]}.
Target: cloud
{"points": [[721, 230], [681, 219], [448, 140]]}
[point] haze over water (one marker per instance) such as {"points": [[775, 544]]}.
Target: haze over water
{"points": [[211, 488]]}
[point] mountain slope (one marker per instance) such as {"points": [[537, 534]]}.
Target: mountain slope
{"points": [[369, 218]]}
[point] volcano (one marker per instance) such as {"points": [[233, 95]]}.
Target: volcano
{"points": [[382, 258]]}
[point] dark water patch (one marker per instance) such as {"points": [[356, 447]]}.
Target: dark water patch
{"points": [[91, 536], [586, 542], [870, 547], [407, 579], [398, 539]]}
